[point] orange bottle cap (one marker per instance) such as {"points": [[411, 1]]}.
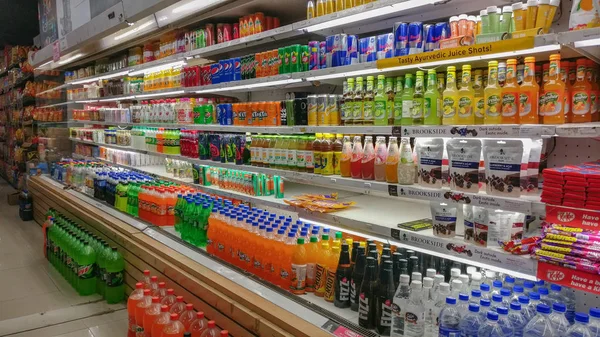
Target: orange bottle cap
{"points": [[555, 57], [511, 61], [530, 59]]}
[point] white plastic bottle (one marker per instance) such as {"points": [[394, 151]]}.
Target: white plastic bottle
{"points": [[400, 301], [475, 281], [580, 328], [456, 287], [464, 278], [428, 303], [414, 314], [454, 274]]}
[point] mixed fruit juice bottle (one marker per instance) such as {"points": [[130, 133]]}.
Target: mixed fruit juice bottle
{"points": [[357, 156], [529, 94], [391, 161], [450, 99], [337, 154], [581, 95], [380, 158], [327, 155], [466, 98], [317, 153], [510, 94], [479, 103], [346, 158], [368, 160], [432, 102], [298, 269], [493, 96], [554, 92]]}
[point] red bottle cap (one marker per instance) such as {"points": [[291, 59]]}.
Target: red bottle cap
{"points": [[139, 285], [154, 278], [164, 308], [200, 314], [146, 272], [211, 324], [146, 292], [174, 317], [189, 306], [179, 298], [170, 291], [155, 299], [162, 285], [224, 333]]}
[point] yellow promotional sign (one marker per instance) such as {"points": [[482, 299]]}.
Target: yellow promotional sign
{"points": [[460, 52]]}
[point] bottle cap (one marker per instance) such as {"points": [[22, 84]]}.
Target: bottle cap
{"points": [[464, 278], [416, 285], [452, 19], [515, 306], [404, 279], [534, 295], [517, 289], [300, 241], [164, 308], [475, 293], [463, 297], [582, 317], [200, 314], [497, 284], [463, 17], [437, 279], [155, 299], [456, 284], [485, 302], [528, 285], [416, 276], [454, 272], [507, 9], [444, 287], [483, 12], [555, 287], [471, 270], [517, 6], [560, 307], [504, 292], [502, 311], [496, 298], [473, 307], [492, 9], [523, 299], [484, 287], [532, 3], [139, 285], [211, 324], [189, 306], [543, 309], [174, 317], [450, 300], [427, 282], [492, 316]]}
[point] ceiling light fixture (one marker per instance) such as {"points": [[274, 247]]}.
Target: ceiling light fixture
{"points": [[70, 59], [134, 30]]}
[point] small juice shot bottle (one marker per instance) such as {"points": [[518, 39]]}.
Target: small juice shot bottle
{"points": [[466, 98], [529, 94], [450, 99], [581, 95], [554, 90], [510, 94], [492, 96]]}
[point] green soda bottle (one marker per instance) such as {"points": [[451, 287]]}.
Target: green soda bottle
{"points": [[398, 100], [407, 100], [179, 207], [433, 100], [114, 277], [100, 267], [380, 102], [85, 257], [418, 100]]}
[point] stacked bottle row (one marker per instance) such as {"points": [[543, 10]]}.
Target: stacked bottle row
{"points": [[86, 261], [251, 183], [156, 311], [569, 93]]}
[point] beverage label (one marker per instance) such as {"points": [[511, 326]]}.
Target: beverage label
{"points": [[353, 297], [357, 113], [553, 103], [85, 271], [320, 276], [291, 158], [389, 109], [427, 107], [369, 110], [479, 107], [417, 108], [397, 317], [398, 108], [298, 277], [414, 319], [344, 287], [132, 325], [407, 107], [363, 306], [337, 157], [494, 106], [139, 331], [386, 313], [509, 104], [525, 101], [309, 159], [449, 108], [330, 286], [113, 279], [465, 107], [581, 103], [311, 269], [380, 110], [449, 332], [300, 158]]}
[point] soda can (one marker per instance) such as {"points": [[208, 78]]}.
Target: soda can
{"points": [[280, 59], [295, 55], [274, 62], [312, 102], [442, 31], [313, 57], [228, 114], [264, 64], [329, 43], [300, 111], [215, 73], [206, 75], [220, 33], [415, 37], [352, 52], [286, 60], [385, 46], [221, 114], [332, 110], [200, 38], [223, 75], [305, 54], [322, 55], [235, 31], [276, 22], [322, 117], [400, 38], [227, 32], [243, 61], [237, 69], [251, 66], [269, 21], [209, 34], [367, 49], [429, 34]]}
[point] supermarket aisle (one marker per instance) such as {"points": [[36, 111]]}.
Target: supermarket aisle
{"points": [[34, 298]]}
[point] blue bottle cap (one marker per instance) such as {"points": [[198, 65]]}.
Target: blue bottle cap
{"points": [[582, 317], [450, 300], [484, 287], [502, 311], [497, 298], [518, 289], [281, 231], [555, 287], [504, 292], [262, 227], [291, 234], [485, 302], [560, 307], [523, 299], [540, 283], [475, 293], [255, 224], [535, 296], [509, 279], [497, 284], [303, 233], [515, 306], [543, 291], [543, 309], [473, 307], [463, 297], [270, 230], [595, 312], [492, 315]]}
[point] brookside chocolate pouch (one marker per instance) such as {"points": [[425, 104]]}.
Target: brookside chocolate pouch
{"points": [[430, 152], [503, 167], [463, 156], [444, 219]]}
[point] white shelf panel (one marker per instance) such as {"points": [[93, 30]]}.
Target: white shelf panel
{"points": [[584, 130]]}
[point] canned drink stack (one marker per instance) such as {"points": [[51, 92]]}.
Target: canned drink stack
{"points": [[400, 38], [352, 53], [415, 37], [367, 48], [385, 46]]}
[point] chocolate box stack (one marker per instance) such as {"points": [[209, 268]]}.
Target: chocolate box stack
{"points": [[573, 186]]}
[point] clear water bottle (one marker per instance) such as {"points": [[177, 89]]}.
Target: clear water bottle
{"points": [[449, 319], [484, 307], [485, 291], [496, 302], [509, 282], [430, 272], [398, 308], [517, 291], [437, 280], [558, 319], [416, 276], [534, 300], [539, 284], [414, 313], [464, 278], [516, 318], [496, 286], [555, 294], [475, 296], [505, 323], [429, 303], [490, 328], [528, 286], [545, 298], [475, 281], [570, 302], [463, 303], [506, 297], [456, 288], [540, 325], [454, 274], [526, 310], [580, 328], [594, 325], [440, 303], [471, 322]]}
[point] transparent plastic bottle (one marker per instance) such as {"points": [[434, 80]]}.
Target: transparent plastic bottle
{"points": [[534, 300], [428, 303], [509, 282], [188, 316], [400, 300], [496, 302], [441, 294], [170, 299], [475, 296], [545, 298], [199, 325], [570, 302], [528, 286], [504, 322], [526, 310], [463, 304], [485, 291], [174, 328], [454, 274], [540, 325], [491, 276], [594, 325], [506, 297], [449, 319], [212, 330], [464, 278], [496, 286], [179, 307], [490, 328], [414, 308], [558, 319], [580, 327], [471, 321], [517, 291], [484, 307], [516, 318], [456, 287], [539, 284], [475, 283]]}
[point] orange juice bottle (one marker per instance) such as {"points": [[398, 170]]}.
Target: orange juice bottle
{"points": [[592, 75], [312, 255], [391, 162], [299, 262], [346, 157], [564, 76], [286, 263], [268, 256], [332, 266], [554, 89], [322, 264], [510, 94], [529, 96], [581, 95]]}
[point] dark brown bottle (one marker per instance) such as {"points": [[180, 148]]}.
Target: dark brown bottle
{"points": [[413, 265], [385, 298], [374, 254], [396, 257], [355, 245], [343, 275], [357, 277], [367, 298]]}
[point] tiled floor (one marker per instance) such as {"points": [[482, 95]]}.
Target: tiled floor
{"points": [[35, 301]]}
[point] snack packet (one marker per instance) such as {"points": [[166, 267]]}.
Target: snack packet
{"points": [[464, 155], [444, 219], [503, 167], [430, 153]]}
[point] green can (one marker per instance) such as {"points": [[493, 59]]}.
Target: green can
{"points": [[286, 59], [295, 55], [281, 60], [305, 54]]}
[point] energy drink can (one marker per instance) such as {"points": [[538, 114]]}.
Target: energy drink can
{"points": [[400, 38], [385, 46], [430, 41], [301, 111], [329, 42], [313, 57], [352, 53], [339, 50], [442, 31], [312, 102], [367, 49], [322, 54], [415, 37], [228, 114], [322, 117]]}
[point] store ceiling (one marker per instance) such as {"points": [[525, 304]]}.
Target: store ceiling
{"points": [[18, 22]]}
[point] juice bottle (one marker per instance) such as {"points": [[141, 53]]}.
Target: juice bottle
{"points": [[407, 100], [368, 160], [140, 310], [136, 296], [554, 91], [433, 102], [312, 255], [301, 154], [357, 156], [450, 99], [358, 104], [346, 157], [369, 102], [309, 154], [592, 76], [188, 316], [391, 161], [348, 107], [292, 153], [322, 264], [529, 94], [501, 73], [161, 321], [581, 95], [175, 328], [466, 98], [389, 100], [199, 325], [286, 261], [380, 158], [492, 96], [418, 99], [299, 262], [479, 104], [399, 90], [337, 154], [564, 76], [332, 266], [271, 151], [327, 155], [381, 112], [317, 153], [510, 94]]}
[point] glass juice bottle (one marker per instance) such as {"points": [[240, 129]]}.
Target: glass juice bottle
{"points": [[389, 104], [357, 115], [346, 157], [337, 154], [368, 159], [450, 99], [391, 161], [564, 76], [529, 94], [492, 96], [380, 158], [432, 103], [592, 76], [369, 102], [581, 95], [357, 156], [380, 108], [349, 102], [418, 100], [407, 100], [554, 90], [466, 98], [398, 100], [479, 104], [510, 94]]}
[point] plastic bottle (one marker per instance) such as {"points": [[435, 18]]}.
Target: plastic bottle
{"points": [[211, 330], [493, 96], [527, 311], [331, 272], [490, 328], [407, 100], [150, 315], [496, 286], [175, 328], [504, 322], [140, 310], [429, 298], [179, 307], [161, 321], [581, 326], [456, 287], [484, 307], [433, 100], [594, 324], [506, 297], [471, 321], [299, 261], [322, 264], [405, 172], [418, 99], [188, 316], [114, 287], [557, 318], [570, 302], [540, 325], [517, 319], [86, 260], [199, 325], [153, 285], [545, 297], [170, 299], [400, 299], [466, 98], [454, 274], [132, 301], [463, 303], [449, 319], [466, 289], [380, 110], [391, 162], [554, 94], [398, 108], [485, 291], [414, 309]]}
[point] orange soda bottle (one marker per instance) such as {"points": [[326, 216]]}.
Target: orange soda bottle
{"points": [[581, 95], [564, 76], [161, 321], [299, 261], [179, 307], [529, 96], [140, 310], [211, 330], [312, 255], [286, 263], [188, 316], [510, 94], [170, 299], [151, 314], [175, 328], [554, 92], [321, 270], [332, 266], [199, 325], [268, 256], [132, 302]]}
